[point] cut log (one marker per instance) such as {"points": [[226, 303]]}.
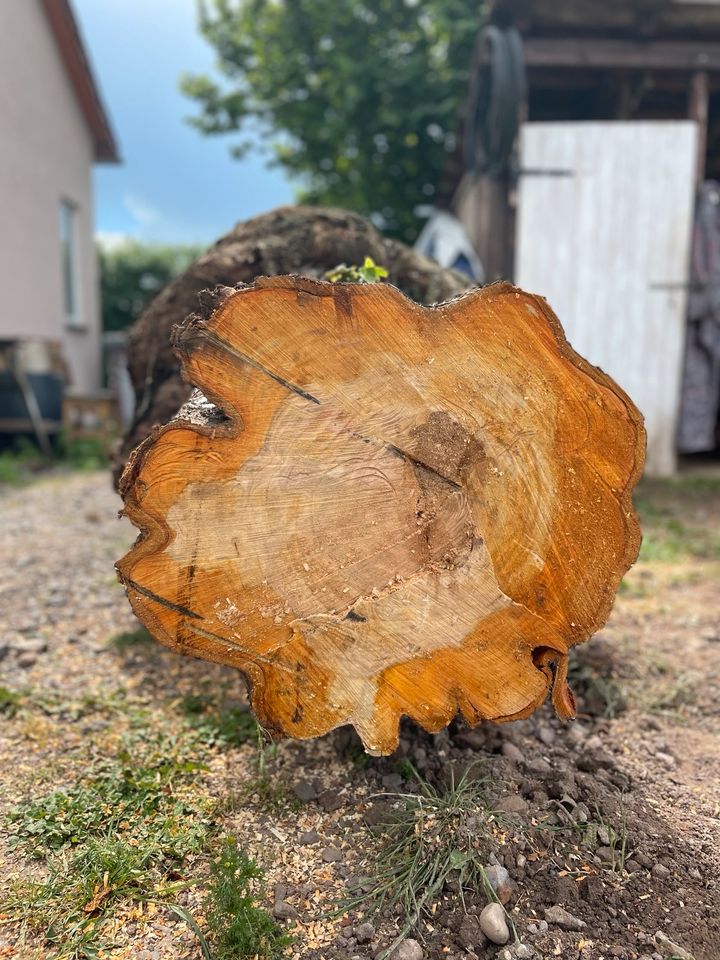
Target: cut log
{"points": [[299, 240], [377, 509]]}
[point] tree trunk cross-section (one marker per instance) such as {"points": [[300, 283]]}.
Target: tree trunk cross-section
{"points": [[383, 509]]}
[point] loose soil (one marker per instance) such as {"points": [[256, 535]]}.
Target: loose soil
{"points": [[616, 817]]}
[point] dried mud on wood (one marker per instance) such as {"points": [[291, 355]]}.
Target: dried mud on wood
{"points": [[383, 509]]}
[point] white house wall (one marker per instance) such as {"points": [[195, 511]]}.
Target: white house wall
{"points": [[46, 154]]}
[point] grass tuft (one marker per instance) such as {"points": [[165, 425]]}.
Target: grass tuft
{"points": [[432, 839]]}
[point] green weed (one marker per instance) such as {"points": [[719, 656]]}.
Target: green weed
{"points": [[239, 928], [70, 907], [369, 272], [23, 459], [83, 453], [682, 692], [123, 796], [19, 461], [666, 539], [223, 725], [131, 639], [9, 701]]}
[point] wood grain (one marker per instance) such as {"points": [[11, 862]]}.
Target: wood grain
{"points": [[383, 509]]}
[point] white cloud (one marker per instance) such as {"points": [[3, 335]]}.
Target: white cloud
{"points": [[112, 240], [145, 214]]}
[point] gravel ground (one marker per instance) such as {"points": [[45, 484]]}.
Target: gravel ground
{"points": [[651, 765]]}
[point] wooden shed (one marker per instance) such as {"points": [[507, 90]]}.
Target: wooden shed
{"points": [[619, 126]]}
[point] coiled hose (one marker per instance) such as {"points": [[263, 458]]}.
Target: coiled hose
{"points": [[497, 91]]}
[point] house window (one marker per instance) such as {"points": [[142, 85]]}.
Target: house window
{"points": [[69, 255]]}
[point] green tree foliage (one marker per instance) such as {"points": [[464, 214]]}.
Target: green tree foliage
{"points": [[132, 274], [362, 95]]}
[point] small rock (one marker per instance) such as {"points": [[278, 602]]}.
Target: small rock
{"points": [[407, 950], [523, 952], [305, 791], [560, 917], [494, 925], [512, 752], [546, 735], [364, 933], [660, 871], [500, 881], [284, 911], [378, 814], [331, 855], [392, 781], [665, 759], [603, 835], [512, 804], [330, 800], [671, 949], [643, 859], [543, 926], [34, 645], [591, 889], [539, 767], [475, 739], [310, 837], [420, 757], [26, 660]]}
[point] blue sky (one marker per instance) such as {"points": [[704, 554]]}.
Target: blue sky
{"points": [[174, 185]]}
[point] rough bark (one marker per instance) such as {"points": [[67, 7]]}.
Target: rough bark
{"points": [[307, 241], [383, 509]]}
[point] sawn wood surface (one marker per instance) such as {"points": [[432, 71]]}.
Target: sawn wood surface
{"points": [[400, 510]]}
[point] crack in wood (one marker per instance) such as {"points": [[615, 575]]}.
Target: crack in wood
{"points": [[419, 463], [250, 655], [143, 591], [244, 358]]}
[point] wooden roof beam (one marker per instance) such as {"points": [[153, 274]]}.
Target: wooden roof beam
{"points": [[621, 54]]}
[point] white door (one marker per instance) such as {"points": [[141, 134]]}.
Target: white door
{"points": [[604, 229]]}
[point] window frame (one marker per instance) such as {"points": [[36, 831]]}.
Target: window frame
{"points": [[70, 264]]}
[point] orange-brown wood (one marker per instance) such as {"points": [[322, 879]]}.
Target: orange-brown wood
{"points": [[399, 510]]}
